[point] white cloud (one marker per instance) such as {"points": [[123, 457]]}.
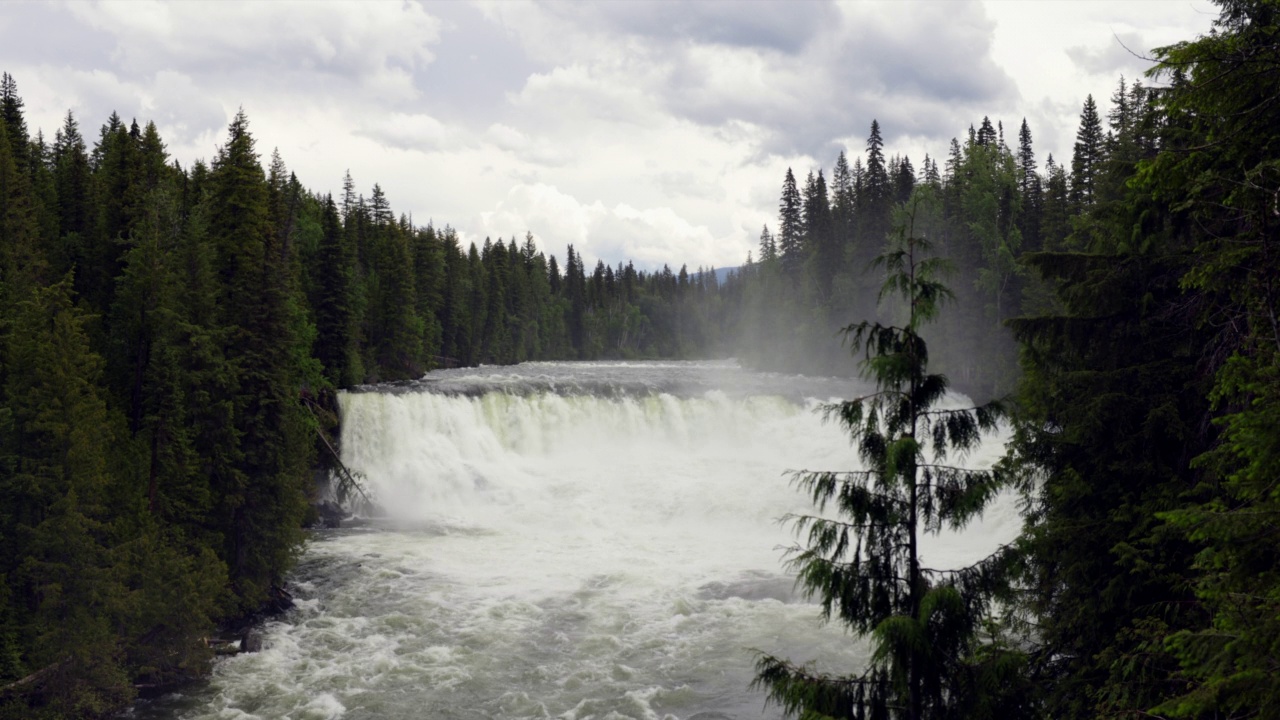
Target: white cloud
{"points": [[339, 37], [413, 131], [539, 151], [555, 218], [653, 131], [1036, 42], [1121, 54], [649, 236]]}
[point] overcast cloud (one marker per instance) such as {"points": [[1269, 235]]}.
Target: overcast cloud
{"points": [[652, 131]]}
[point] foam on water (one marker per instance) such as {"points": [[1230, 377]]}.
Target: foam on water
{"points": [[557, 556]]}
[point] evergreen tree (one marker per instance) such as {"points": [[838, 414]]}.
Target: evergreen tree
{"points": [[576, 290], [931, 175], [1056, 208], [790, 225], [843, 203], [1087, 157], [336, 342], [455, 311], [1029, 190], [428, 285], [261, 491], [394, 329], [72, 182], [61, 435], [1219, 160], [1111, 400], [865, 566], [986, 135], [875, 196], [349, 201], [477, 305], [495, 338], [23, 265], [904, 180], [768, 246], [15, 124], [44, 194], [819, 232]]}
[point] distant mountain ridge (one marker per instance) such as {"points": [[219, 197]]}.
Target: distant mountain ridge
{"points": [[721, 274]]}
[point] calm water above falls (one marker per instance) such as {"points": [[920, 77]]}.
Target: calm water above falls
{"points": [[565, 540]]}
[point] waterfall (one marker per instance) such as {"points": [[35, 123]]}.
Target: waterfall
{"points": [[564, 540]]}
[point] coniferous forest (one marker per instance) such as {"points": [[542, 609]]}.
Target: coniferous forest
{"points": [[172, 340]]}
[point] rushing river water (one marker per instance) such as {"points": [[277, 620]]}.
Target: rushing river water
{"points": [[562, 540]]}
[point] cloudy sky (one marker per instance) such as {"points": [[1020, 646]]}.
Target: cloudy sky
{"points": [[655, 131]]}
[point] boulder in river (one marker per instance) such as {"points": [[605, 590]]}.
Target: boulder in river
{"points": [[329, 515], [251, 642]]}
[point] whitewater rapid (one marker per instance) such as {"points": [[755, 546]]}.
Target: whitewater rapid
{"points": [[561, 540]]}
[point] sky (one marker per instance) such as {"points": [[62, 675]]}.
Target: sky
{"points": [[658, 132]]}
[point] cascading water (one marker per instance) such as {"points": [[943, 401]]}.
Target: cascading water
{"points": [[561, 540]]}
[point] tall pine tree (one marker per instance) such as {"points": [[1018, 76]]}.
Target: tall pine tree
{"points": [[864, 565]]}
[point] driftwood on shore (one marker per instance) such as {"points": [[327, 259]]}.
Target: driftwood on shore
{"points": [[33, 680]]}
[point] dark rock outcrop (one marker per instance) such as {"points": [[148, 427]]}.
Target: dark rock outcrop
{"points": [[251, 642], [329, 515]]}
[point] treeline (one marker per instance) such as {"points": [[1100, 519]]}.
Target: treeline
{"points": [[171, 340], [989, 209], [1141, 286], [391, 300]]}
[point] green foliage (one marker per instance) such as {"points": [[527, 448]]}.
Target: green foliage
{"points": [[162, 401], [1227, 180], [61, 436], [863, 564], [1107, 403], [1086, 158], [336, 344]]}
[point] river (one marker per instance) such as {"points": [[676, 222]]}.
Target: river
{"points": [[561, 540]]}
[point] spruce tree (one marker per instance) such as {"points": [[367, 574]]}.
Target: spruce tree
{"points": [[1029, 190], [768, 246], [875, 195], [261, 486], [986, 133], [44, 193], [819, 233], [428, 286], [62, 432], [843, 202], [1223, 108], [904, 180], [72, 181], [336, 341], [495, 340], [1113, 412], [1087, 156], [790, 225], [477, 284], [23, 265], [455, 312], [865, 567], [575, 289], [15, 123]]}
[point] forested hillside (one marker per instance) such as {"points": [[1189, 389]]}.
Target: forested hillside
{"points": [[170, 342], [988, 208], [1150, 402], [1141, 287]]}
